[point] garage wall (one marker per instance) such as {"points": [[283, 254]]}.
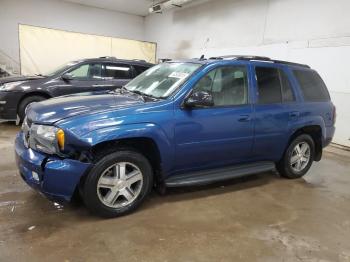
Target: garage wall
{"points": [[43, 50], [315, 32], [65, 16]]}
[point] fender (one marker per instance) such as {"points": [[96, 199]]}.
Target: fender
{"points": [[139, 130], [309, 121]]}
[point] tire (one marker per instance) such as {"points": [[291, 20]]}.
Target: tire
{"points": [[25, 102], [108, 196], [300, 167]]}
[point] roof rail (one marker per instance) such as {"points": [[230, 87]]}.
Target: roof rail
{"points": [[242, 57], [257, 58], [108, 57], [139, 60], [163, 60], [290, 63]]}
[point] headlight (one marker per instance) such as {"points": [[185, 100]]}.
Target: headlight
{"points": [[10, 86], [48, 139]]}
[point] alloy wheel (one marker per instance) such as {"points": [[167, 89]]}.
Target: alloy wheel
{"points": [[300, 157], [119, 185]]}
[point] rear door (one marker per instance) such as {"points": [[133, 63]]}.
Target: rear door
{"points": [[115, 75], [275, 111]]}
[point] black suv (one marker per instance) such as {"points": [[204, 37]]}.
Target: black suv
{"points": [[88, 75]]}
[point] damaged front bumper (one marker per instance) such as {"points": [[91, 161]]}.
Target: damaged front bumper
{"points": [[54, 177]]}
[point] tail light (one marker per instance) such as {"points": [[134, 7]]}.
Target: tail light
{"points": [[334, 114]]}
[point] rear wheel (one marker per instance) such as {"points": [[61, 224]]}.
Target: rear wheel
{"points": [[118, 184], [25, 103], [298, 157]]}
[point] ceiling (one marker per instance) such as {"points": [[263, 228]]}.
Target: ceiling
{"points": [[135, 7]]}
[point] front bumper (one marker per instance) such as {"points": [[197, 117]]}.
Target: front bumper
{"points": [[56, 178], [8, 105]]}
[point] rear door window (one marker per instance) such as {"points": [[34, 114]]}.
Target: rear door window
{"points": [[273, 86], [269, 85], [287, 91], [117, 71], [312, 86]]}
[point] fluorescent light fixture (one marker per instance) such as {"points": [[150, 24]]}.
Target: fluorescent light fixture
{"points": [[118, 68]]}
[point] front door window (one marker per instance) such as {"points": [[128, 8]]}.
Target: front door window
{"points": [[87, 72], [228, 85]]}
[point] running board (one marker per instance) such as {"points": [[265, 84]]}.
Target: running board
{"points": [[219, 174]]}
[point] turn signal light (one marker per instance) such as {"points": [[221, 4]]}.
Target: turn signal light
{"points": [[60, 139]]}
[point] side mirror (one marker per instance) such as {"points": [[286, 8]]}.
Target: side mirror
{"points": [[199, 99], [67, 77]]}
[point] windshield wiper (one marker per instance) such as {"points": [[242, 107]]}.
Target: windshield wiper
{"points": [[124, 89], [144, 94], [120, 90]]}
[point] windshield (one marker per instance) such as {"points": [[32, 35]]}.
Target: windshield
{"points": [[61, 68], [162, 80]]}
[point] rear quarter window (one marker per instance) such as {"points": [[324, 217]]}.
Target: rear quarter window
{"points": [[312, 86]]}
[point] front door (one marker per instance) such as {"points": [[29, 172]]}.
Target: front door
{"points": [[85, 78], [221, 134]]}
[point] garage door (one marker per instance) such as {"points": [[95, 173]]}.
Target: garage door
{"points": [[43, 49]]}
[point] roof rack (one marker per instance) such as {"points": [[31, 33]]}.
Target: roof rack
{"points": [[257, 58]]}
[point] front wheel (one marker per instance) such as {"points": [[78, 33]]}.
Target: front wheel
{"points": [[298, 157], [118, 184]]}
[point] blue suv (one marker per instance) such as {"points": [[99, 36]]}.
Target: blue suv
{"points": [[180, 123]]}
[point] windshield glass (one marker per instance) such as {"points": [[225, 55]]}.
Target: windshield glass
{"points": [[162, 80], [61, 68]]}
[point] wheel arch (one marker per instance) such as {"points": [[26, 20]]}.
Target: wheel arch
{"points": [[315, 131], [144, 145], [145, 131], [145, 137], [34, 93]]}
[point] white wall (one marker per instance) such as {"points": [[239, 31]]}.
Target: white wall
{"points": [[315, 32], [65, 16]]}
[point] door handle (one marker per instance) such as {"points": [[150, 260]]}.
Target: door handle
{"points": [[294, 114], [244, 118]]}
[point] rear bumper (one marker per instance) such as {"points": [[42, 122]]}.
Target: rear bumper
{"points": [[56, 178], [330, 130], [8, 105]]}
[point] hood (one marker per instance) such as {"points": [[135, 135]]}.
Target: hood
{"points": [[18, 78], [53, 110]]}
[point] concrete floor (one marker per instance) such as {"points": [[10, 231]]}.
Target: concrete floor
{"points": [[260, 218]]}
